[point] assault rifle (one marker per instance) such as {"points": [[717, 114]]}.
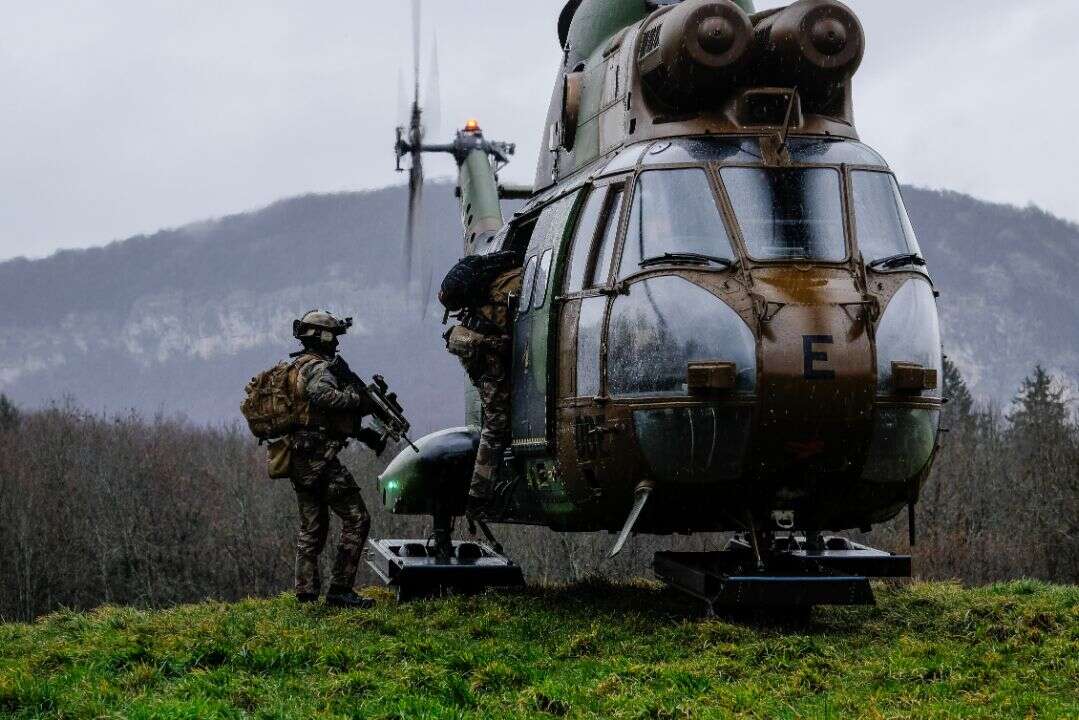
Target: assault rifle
{"points": [[381, 403]]}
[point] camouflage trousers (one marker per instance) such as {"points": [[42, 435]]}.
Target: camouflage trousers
{"points": [[323, 485], [487, 371]]}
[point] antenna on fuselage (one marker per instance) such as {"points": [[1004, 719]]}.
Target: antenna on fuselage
{"points": [[788, 117]]}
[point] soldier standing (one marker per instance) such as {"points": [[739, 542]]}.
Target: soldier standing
{"points": [[483, 342], [321, 482]]}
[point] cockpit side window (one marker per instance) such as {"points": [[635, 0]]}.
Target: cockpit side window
{"points": [[590, 258], [673, 215], [599, 267], [582, 241], [543, 273], [881, 224], [527, 284], [788, 213]]}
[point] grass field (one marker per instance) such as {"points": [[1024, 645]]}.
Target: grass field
{"points": [[596, 650]]}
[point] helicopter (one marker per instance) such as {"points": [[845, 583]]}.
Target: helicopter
{"points": [[726, 323]]}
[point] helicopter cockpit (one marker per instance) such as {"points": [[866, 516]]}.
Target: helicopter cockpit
{"points": [[791, 212]]}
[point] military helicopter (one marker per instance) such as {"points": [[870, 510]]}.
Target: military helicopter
{"points": [[726, 322]]}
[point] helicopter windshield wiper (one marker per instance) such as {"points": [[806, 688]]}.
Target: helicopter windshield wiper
{"points": [[690, 258], [897, 261]]}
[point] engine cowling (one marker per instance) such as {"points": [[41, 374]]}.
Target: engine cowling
{"points": [[690, 54], [813, 45]]}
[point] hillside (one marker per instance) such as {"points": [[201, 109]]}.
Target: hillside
{"points": [[179, 320], [591, 651]]}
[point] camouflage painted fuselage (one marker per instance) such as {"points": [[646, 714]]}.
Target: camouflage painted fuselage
{"points": [[723, 296]]}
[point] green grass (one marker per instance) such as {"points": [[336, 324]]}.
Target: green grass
{"points": [[596, 650]]}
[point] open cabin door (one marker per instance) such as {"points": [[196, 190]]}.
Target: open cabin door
{"points": [[534, 337]]}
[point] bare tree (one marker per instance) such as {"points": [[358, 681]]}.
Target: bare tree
{"points": [[123, 509]]}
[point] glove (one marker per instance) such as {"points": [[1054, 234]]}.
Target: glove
{"points": [[356, 401], [373, 440]]}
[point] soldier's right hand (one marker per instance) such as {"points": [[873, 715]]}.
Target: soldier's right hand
{"points": [[356, 401]]}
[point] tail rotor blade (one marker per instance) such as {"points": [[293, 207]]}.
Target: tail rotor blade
{"points": [[415, 176], [416, 51], [428, 284], [425, 269], [433, 100], [403, 115], [415, 201]]}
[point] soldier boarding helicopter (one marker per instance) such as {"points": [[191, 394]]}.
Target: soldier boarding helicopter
{"points": [[726, 323]]}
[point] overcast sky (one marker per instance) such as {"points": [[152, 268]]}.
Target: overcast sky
{"points": [[125, 116]]}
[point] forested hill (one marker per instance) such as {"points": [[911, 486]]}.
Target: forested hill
{"points": [[179, 320]]}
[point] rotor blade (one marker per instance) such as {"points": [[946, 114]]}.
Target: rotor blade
{"points": [[403, 115], [432, 113], [425, 291], [416, 51], [425, 245], [415, 199]]}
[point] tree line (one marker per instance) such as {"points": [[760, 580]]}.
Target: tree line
{"points": [[155, 511]]}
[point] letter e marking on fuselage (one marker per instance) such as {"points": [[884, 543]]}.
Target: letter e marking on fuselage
{"points": [[814, 357]]}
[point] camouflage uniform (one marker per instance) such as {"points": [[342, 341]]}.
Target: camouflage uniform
{"points": [[488, 372], [323, 484], [486, 358]]}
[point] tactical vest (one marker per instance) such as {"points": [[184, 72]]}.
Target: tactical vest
{"points": [[497, 310]]}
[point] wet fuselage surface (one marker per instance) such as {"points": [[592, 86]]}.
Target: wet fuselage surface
{"points": [[749, 330]]}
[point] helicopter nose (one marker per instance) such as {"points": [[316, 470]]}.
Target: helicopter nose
{"points": [[817, 387]]}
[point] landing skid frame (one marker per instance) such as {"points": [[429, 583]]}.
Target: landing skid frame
{"points": [[414, 569], [794, 577]]}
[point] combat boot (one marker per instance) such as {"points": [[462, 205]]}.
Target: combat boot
{"points": [[347, 598], [303, 598]]}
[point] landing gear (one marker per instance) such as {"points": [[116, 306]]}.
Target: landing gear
{"points": [[417, 569], [442, 565], [443, 536], [786, 573]]}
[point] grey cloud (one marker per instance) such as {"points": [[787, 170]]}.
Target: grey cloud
{"points": [[125, 116]]}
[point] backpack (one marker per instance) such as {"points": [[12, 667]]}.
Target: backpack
{"points": [[467, 284], [274, 405]]}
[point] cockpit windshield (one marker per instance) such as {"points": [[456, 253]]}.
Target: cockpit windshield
{"points": [[788, 213], [884, 232], [674, 218]]}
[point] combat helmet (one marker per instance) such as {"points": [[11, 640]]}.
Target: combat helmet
{"points": [[320, 326]]}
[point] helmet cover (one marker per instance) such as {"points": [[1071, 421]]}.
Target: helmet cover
{"points": [[320, 325]]}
